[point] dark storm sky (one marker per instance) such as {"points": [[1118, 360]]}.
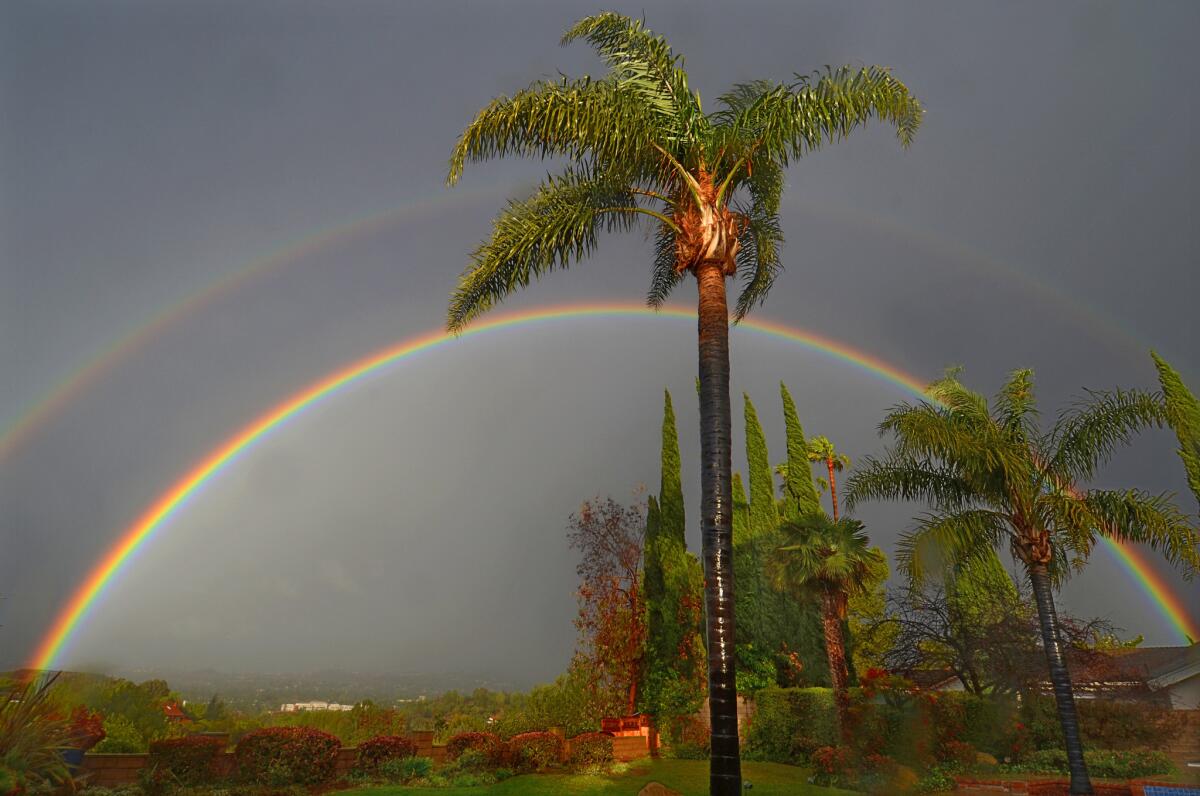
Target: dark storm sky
{"points": [[1045, 217]]}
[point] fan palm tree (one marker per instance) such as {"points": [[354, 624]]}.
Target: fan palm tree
{"points": [[994, 478], [641, 149], [828, 561], [820, 449]]}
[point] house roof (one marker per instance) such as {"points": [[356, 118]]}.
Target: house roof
{"points": [[1156, 666], [173, 711], [931, 679]]}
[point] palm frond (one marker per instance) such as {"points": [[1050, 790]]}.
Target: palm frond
{"points": [[758, 259], [1141, 517], [557, 225], [1016, 406], [791, 120], [664, 277], [644, 65], [1089, 432], [571, 118], [950, 540], [893, 479]]}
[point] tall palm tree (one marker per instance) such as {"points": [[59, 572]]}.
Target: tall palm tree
{"points": [[642, 150], [828, 561], [993, 477], [820, 449]]}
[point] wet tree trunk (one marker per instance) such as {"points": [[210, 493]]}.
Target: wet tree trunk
{"points": [[832, 489], [716, 528], [1060, 678], [835, 653]]}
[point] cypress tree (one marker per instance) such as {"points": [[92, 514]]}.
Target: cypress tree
{"points": [[670, 494], [652, 579], [1183, 414], [764, 515], [800, 496]]}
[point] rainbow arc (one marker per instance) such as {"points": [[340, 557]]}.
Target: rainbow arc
{"points": [[85, 598]]}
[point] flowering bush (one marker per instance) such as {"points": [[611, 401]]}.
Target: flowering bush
{"points": [[376, 751], [958, 753], [535, 751], [834, 765], [285, 755], [487, 743], [189, 760], [591, 748], [86, 728]]}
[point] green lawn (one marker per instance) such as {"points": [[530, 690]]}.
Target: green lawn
{"points": [[689, 777]]}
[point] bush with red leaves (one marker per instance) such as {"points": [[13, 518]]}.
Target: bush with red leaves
{"points": [[190, 759], [278, 756], [535, 751], [485, 742], [376, 751]]}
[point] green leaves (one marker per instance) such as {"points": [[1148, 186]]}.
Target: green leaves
{"points": [[555, 226]]}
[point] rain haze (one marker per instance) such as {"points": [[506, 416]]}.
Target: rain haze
{"points": [[286, 162]]}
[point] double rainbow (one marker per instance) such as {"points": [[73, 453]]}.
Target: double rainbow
{"points": [[85, 598]]}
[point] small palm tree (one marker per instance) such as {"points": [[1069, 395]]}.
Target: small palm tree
{"points": [[820, 449], [828, 561], [995, 479], [641, 149]]}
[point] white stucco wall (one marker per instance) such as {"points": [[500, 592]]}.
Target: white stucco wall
{"points": [[1185, 695]]}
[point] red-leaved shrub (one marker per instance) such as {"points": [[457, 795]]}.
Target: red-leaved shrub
{"points": [[591, 748], [376, 751], [834, 765], [189, 759], [535, 751], [287, 755], [485, 742]]}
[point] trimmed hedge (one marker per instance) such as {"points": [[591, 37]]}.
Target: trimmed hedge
{"points": [[1107, 763], [591, 748], [190, 759], [376, 751], [485, 742], [536, 751], [1104, 724], [287, 755]]}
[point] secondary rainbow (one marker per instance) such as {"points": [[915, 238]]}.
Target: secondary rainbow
{"points": [[154, 517]]}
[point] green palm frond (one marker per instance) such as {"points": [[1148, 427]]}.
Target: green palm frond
{"points": [[1088, 433], [664, 277], [950, 540], [897, 479], [571, 118], [758, 259], [955, 435], [644, 65], [818, 555], [1136, 516], [791, 120], [1016, 407], [554, 227]]}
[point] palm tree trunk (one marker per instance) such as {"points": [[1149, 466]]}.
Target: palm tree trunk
{"points": [[716, 528], [1060, 678], [832, 488], [835, 653]]}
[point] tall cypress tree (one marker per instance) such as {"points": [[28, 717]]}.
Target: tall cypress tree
{"points": [[1183, 414], [800, 495], [670, 493], [653, 583], [764, 515]]}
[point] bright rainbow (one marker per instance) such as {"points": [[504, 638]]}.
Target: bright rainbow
{"points": [[86, 596]]}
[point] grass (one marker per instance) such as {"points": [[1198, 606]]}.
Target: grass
{"points": [[689, 777]]}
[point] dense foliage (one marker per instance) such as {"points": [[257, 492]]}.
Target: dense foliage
{"points": [[374, 752], [535, 751], [486, 743], [591, 749], [32, 736], [1110, 763], [286, 755], [188, 760]]}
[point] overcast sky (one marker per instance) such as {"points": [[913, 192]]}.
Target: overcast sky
{"points": [[1044, 217]]}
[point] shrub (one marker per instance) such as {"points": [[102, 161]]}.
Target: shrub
{"points": [[32, 737], [957, 753], [284, 755], [188, 760], [833, 765], [487, 743], [790, 723], [121, 737], [591, 749], [1107, 763], [376, 751], [403, 770], [471, 761], [1103, 723], [536, 751], [938, 779]]}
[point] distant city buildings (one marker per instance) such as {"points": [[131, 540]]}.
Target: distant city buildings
{"points": [[300, 707]]}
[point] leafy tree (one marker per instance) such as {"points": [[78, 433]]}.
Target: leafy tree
{"points": [[821, 450], [870, 636], [641, 148], [993, 477], [1183, 414], [826, 562], [612, 607]]}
